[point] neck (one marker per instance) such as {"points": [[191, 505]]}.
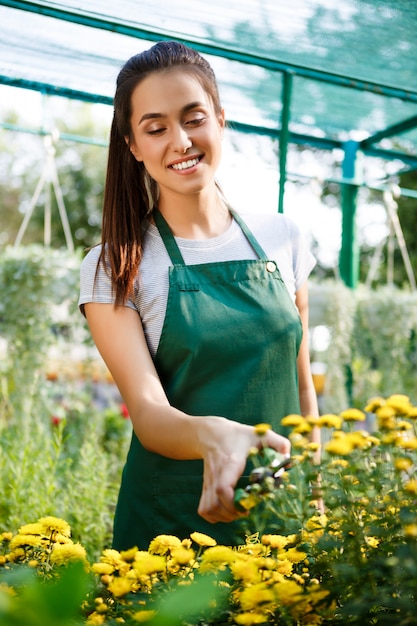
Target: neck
{"points": [[197, 217]]}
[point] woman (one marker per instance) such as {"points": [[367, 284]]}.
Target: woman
{"points": [[193, 318]]}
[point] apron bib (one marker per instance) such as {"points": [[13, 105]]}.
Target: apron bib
{"points": [[228, 347]]}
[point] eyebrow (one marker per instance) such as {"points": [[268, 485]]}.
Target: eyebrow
{"points": [[185, 109]]}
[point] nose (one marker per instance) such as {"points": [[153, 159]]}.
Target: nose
{"points": [[181, 140]]}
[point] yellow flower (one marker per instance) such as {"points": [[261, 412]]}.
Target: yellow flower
{"points": [[183, 556], [64, 553], [50, 525], [340, 446], [143, 616], [146, 564], [6, 536], [410, 530], [25, 540], [407, 444], [246, 571], [203, 540], [403, 464], [403, 425], [284, 567], [102, 568], [31, 529], [353, 415], [248, 618], [374, 403], [112, 557], [288, 592], [292, 420], [411, 486], [339, 463], [294, 555], [317, 522], [385, 412], [162, 544], [254, 596], [95, 619], [216, 558], [120, 587], [262, 429], [128, 555], [412, 412], [372, 542], [329, 420], [275, 541], [400, 403]]}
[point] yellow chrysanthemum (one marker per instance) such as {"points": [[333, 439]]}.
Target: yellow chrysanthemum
{"points": [[284, 567], [203, 540], [112, 557], [6, 536], [63, 553], [410, 530], [374, 404], [275, 541], [128, 555], [254, 596], [248, 618], [339, 463], [25, 540], [96, 619], [31, 529], [183, 556], [403, 464], [292, 420], [246, 571], [288, 592], [411, 486], [119, 587], [403, 425], [400, 403], [262, 429], [353, 415], [372, 542], [50, 525], [146, 564], [162, 544], [385, 413], [412, 412], [143, 616], [317, 522], [407, 444], [102, 568], [329, 420], [341, 446], [294, 555]]}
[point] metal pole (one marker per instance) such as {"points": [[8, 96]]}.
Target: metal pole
{"points": [[284, 136], [349, 255]]}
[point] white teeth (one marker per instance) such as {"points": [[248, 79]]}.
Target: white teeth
{"points": [[185, 164]]}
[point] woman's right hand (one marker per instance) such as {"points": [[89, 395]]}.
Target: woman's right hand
{"points": [[226, 447]]}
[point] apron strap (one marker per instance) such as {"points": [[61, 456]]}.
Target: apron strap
{"points": [[172, 246], [168, 238], [249, 236]]}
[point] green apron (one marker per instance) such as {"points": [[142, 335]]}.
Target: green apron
{"points": [[228, 347]]}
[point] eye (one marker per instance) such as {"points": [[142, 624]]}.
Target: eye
{"points": [[196, 121], [155, 131]]}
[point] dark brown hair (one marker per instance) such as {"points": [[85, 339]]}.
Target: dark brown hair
{"points": [[130, 193]]}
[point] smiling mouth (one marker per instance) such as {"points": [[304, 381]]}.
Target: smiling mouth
{"points": [[185, 165]]}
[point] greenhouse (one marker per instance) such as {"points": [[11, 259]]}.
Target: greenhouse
{"points": [[321, 115]]}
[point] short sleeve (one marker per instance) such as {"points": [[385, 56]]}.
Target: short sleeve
{"points": [[95, 284]]}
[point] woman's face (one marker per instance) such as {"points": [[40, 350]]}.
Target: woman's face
{"points": [[176, 132]]}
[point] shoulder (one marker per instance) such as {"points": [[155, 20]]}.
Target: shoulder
{"points": [[275, 229]]}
